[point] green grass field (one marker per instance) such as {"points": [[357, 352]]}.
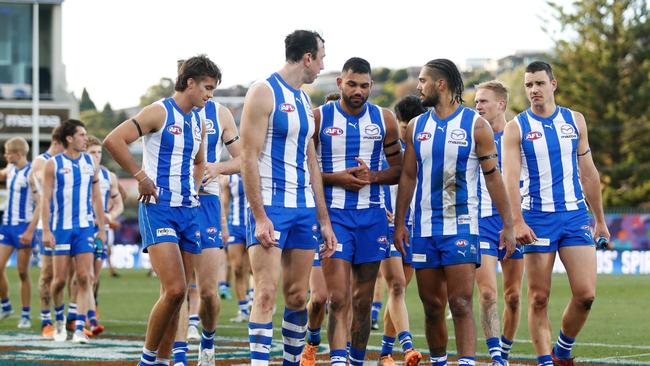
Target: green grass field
{"points": [[618, 330]]}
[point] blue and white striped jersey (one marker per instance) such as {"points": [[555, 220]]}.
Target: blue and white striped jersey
{"points": [[104, 186], [486, 207], [214, 144], [446, 198], [237, 201], [283, 161], [20, 202], [45, 156], [344, 137], [549, 162], [72, 192], [169, 153]]}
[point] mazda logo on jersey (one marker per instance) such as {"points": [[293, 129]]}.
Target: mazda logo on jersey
{"points": [[372, 130], [533, 135], [287, 108], [333, 131], [423, 136], [63, 171], [458, 137], [174, 130], [566, 129], [209, 127]]}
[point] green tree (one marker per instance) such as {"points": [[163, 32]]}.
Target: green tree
{"points": [[86, 104], [164, 89], [603, 71], [380, 74], [399, 75]]}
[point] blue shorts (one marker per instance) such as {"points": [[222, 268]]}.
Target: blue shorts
{"points": [[445, 250], [164, 224], [295, 228], [555, 230], [74, 241], [236, 234], [489, 230], [362, 234], [407, 248], [209, 219], [10, 235]]}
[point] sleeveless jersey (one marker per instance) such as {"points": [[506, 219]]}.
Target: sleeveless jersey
{"points": [[446, 199], [104, 186], [283, 161], [237, 201], [45, 156], [549, 162], [72, 193], [486, 206], [20, 202], [344, 137], [214, 144], [168, 155]]}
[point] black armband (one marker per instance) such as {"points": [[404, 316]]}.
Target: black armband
{"points": [[496, 167], [231, 141], [585, 153], [393, 153], [391, 143], [488, 157], [137, 125]]}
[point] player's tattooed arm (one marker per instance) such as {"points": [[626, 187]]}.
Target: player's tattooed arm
{"points": [[230, 138], [590, 178], [485, 147], [46, 198]]}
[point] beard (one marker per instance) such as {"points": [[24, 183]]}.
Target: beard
{"points": [[354, 103], [430, 100]]}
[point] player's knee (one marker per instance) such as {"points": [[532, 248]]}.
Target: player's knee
{"points": [[339, 301], [57, 284], [586, 300], [538, 300], [23, 274], [488, 298], [175, 292], [264, 298], [397, 287], [512, 300], [460, 306], [85, 280], [239, 269], [208, 294], [296, 299]]}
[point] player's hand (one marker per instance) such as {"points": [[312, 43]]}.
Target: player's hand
{"points": [[350, 180], [26, 237], [211, 172], [329, 241], [364, 172], [401, 238], [523, 233], [147, 190], [601, 230], [265, 232], [48, 239], [389, 216], [101, 235], [508, 240]]}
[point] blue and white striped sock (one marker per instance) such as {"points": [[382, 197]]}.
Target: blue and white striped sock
{"points": [[161, 362], [313, 336], [563, 346], [80, 322], [148, 358], [180, 352], [375, 309], [466, 361], [494, 348], [6, 305], [24, 313], [294, 328], [545, 360], [357, 356], [260, 337], [194, 320], [92, 318], [439, 360], [506, 346], [58, 312], [46, 317], [338, 357], [207, 339], [405, 340], [387, 345], [243, 307], [72, 311]]}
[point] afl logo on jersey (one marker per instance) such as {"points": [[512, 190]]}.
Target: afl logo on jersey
{"points": [[287, 108], [461, 243], [174, 130], [533, 135], [423, 136], [333, 131]]}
